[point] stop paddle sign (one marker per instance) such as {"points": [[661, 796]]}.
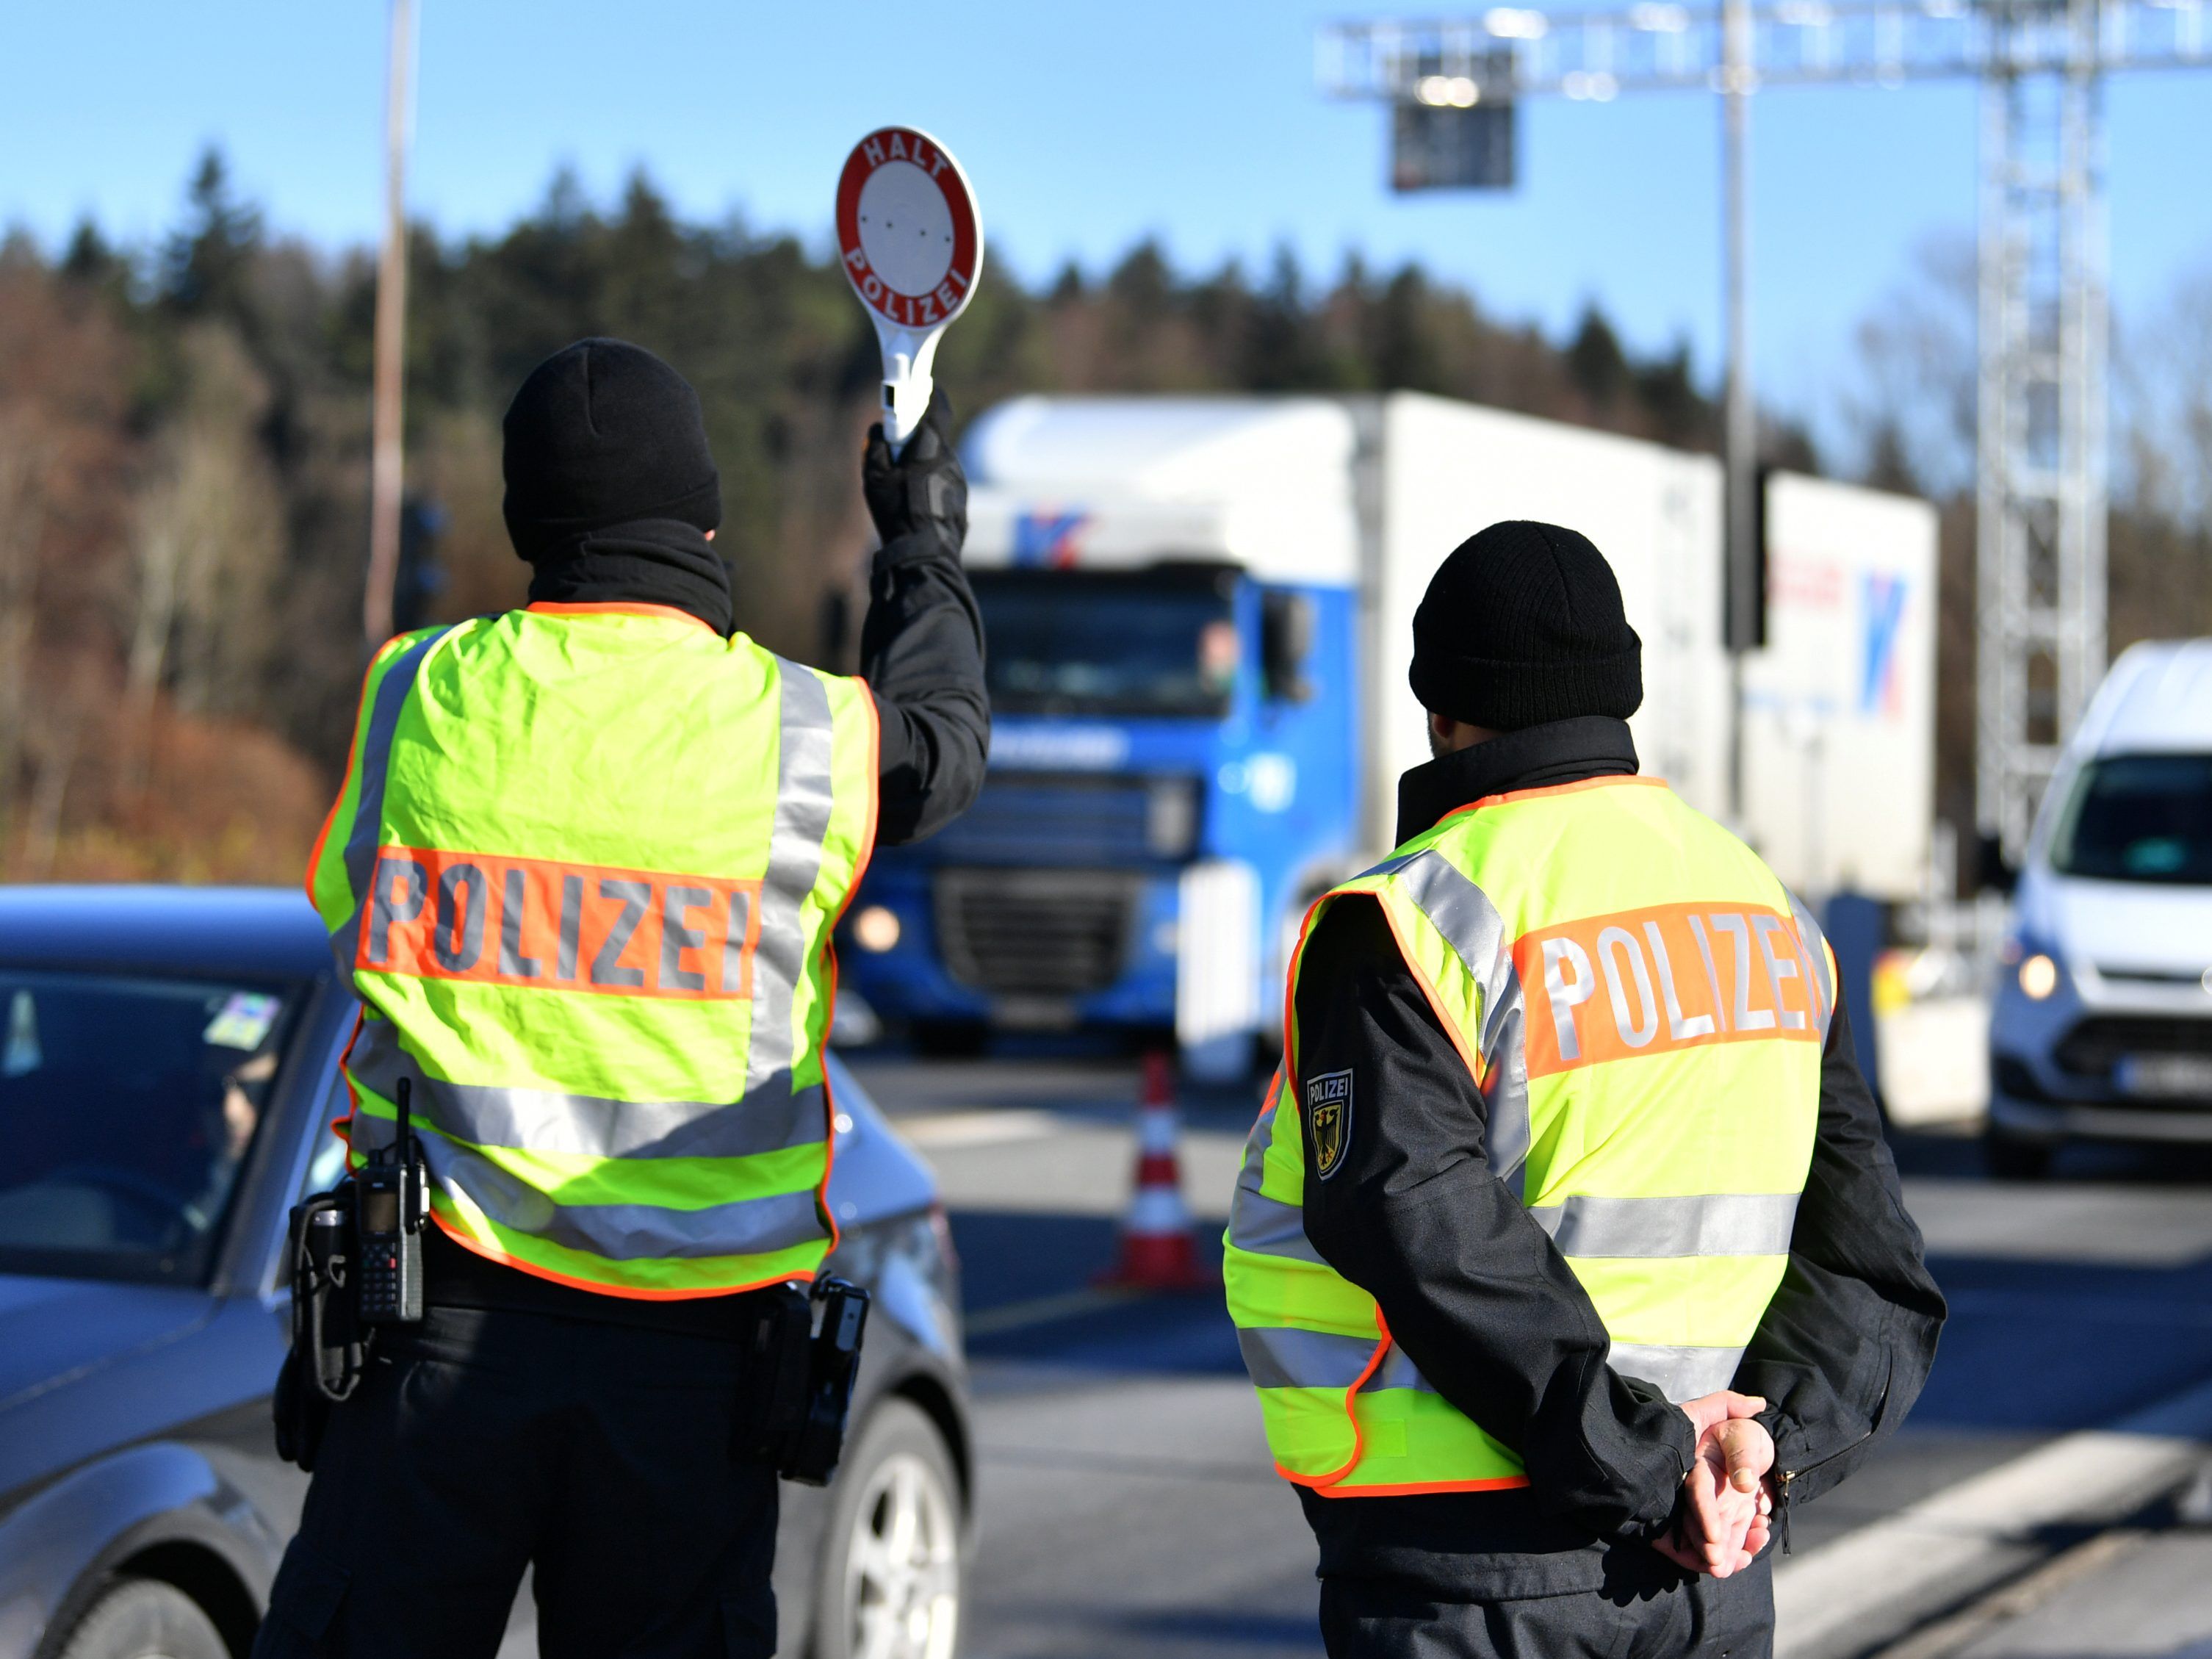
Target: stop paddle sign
{"points": [[913, 247]]}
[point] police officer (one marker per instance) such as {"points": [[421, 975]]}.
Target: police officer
{"points": [[583, 873], [1567, 1253]]}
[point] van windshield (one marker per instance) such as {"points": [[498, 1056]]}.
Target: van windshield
{"points": [[1160, 642], [2139, 818], [129, 1106]]}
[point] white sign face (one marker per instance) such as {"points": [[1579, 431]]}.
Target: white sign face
{"points": [[906, 229]]}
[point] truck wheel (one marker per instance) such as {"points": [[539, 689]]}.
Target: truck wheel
{"points": [[145, 1618], [894, 1553], [2010, 1158]]}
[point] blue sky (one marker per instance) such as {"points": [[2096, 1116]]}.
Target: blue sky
{"points": [[1085, 128]]}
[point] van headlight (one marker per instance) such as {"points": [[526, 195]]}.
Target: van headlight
{"points": [[2035, 967]]}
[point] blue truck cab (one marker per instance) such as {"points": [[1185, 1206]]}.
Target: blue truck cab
{"points": [[1170, 602]]}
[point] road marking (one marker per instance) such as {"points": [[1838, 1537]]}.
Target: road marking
{"points": [[1934, 1553], [2016, 1600], [1041, 1309], [975, 1129]]}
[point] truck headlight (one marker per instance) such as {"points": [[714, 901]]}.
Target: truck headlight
{"points": [[876, 928], [1171, 817]]}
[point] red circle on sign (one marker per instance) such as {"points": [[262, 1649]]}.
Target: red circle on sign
{"points": [[906, 228]]}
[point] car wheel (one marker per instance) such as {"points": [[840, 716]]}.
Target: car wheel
{"points": [[894, 1553], [2010, 1158], [145, 1618]]}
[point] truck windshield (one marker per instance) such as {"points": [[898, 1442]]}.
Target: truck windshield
{"points": [[1091, 642], [2139, 818], [128, 1106]]}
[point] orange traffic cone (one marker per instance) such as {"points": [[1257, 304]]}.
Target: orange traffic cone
{"points": [[1156, 1251]]}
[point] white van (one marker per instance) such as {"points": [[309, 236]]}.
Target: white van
{"points": [[2103, 1023]]}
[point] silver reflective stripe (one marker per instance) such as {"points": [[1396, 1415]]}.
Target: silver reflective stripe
{"points": [[1285, 1357], [1680, 1373], [619, 1233], [1824, 985], [630, 1232], [1505, 1089], [366, 834], [1719, 1224], [1389, 866], [1396, 1371], [803, 778], [1250, 1172], [1264, 1225], [590, 1125], [1267, 1227], [1463, 914]]}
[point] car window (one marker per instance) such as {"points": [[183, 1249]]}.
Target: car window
{"points": [[127, 1108], [326, 1157]]}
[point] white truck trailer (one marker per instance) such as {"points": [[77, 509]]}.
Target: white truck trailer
{"points": [[1200, 612]]}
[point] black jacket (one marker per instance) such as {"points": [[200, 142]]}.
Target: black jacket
{"points": [[1478, 1298]]}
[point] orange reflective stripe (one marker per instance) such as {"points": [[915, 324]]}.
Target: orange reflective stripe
{"points": [[1411, 1488], [1321, 1483], [1650, 981], [432, 914]]}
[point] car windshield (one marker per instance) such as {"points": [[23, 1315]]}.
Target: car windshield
{"points": [[1085, 642], [2139, 818], [127, 1106]]}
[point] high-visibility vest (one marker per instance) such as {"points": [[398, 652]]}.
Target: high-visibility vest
{"points": [[1643, 1006], [583, 875]]}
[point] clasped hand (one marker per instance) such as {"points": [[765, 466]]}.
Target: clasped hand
{"points": [[1729, 1493]]}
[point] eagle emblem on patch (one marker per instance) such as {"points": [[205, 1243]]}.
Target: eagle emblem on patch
{"points": [[1328, 1120]]}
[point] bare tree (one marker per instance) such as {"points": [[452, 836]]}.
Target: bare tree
{"points": [[1915, 413], [207, 545], [22, 516]]}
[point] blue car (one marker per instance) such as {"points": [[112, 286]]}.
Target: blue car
{"points": [[169, 1068]]}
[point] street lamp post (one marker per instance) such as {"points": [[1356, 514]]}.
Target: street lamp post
{"points": [[1740, 429], [388, 436]]}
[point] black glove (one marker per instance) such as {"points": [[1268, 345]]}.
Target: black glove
{"points": [[923, 492]]}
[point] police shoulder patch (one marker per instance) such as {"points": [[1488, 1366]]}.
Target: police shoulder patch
{"points": [[1328, 1120]]}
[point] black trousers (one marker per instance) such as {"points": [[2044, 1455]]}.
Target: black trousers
{"points": [[485, 1442], [1660, 1617]]}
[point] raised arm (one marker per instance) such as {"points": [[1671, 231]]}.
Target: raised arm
{"points": [[921, 645]]}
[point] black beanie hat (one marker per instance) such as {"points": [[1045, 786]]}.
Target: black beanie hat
{"points": [[1523, 624], [603, 433]]}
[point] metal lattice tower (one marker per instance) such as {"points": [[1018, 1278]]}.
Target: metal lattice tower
{"points": [[2041, 481], [2041, 448]]}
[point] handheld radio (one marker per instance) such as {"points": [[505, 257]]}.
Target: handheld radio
{"points": [[833, 1363], [390, 1206]]}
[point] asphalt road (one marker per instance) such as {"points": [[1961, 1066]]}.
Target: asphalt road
{"points": [[1126, 1502]]}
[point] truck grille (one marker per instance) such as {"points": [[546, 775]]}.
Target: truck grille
{"points": [[1031, 818], [1035, 933], [2095, 1046]]}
